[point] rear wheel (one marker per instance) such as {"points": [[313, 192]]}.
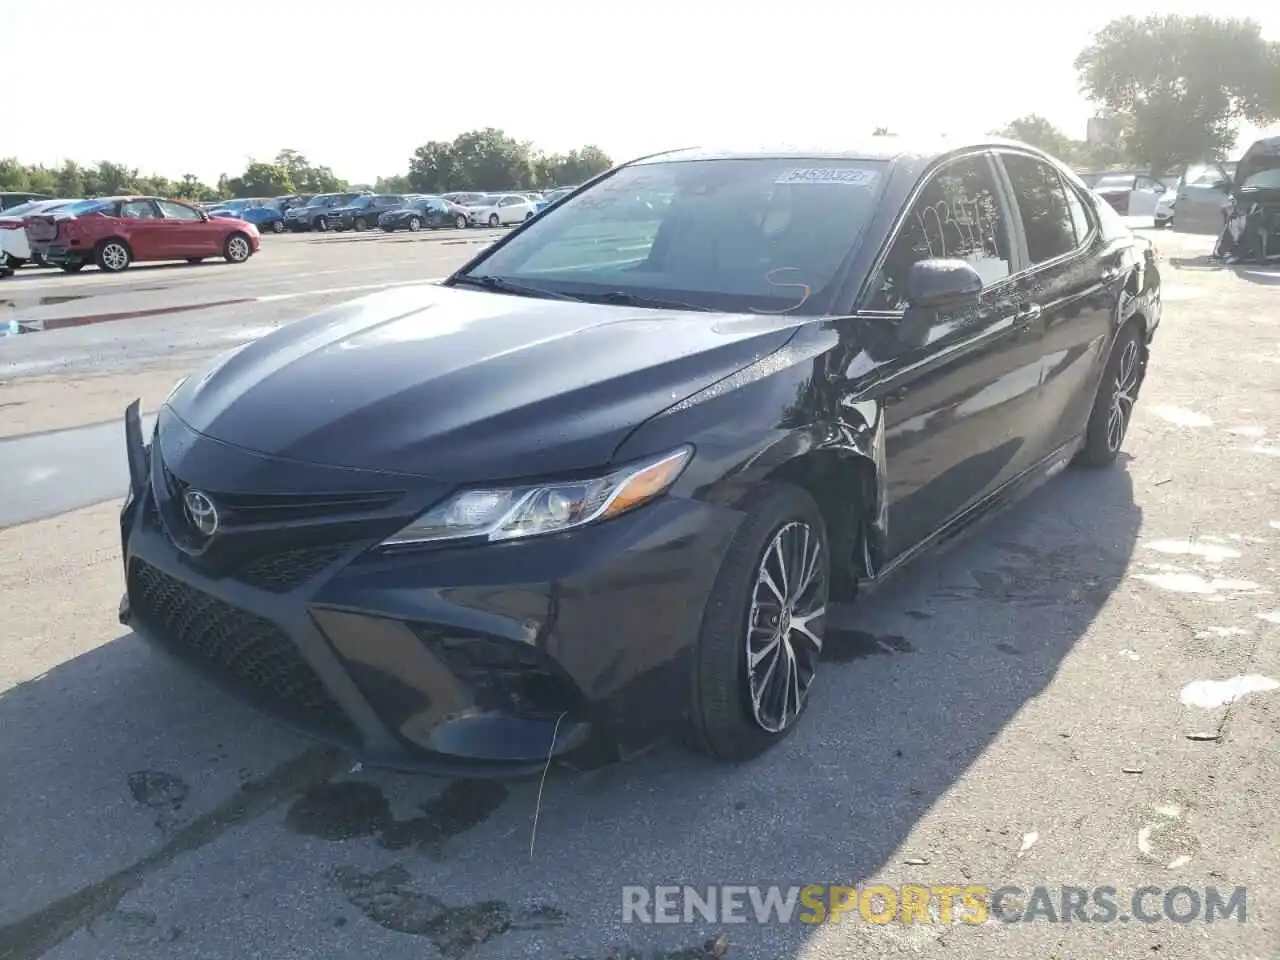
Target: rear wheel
{"points": [[493, 220], [1117, 394], [13, 262], [460, 222], [322, 224], [762, 629], [236, 249], [414, 224], [113, 256], [277, 226]]}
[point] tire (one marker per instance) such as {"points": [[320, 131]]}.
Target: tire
{"points": [[12, 262], [71, 267], [277, 226], [236, 248], [724, 723], [321, 224], [113, 256], [359, 225], [460, 222], [414, 224], [493, 220], [1118, 391]]}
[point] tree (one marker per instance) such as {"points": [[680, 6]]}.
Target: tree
{"points": [[570, 169], [305, 177], [1182, 84], [493, 160], [433, 168], [1039, 132], [398, 183], [261, 180]]}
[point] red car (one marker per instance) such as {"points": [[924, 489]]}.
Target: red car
{"points": [[114, 232]]}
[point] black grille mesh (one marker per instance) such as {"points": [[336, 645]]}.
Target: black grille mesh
{"points": [[241, 649], [289, 569]]}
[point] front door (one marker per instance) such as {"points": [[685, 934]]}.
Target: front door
{"points": [[1069, 281], [956, 408], [189, 236], [1202, 195]]}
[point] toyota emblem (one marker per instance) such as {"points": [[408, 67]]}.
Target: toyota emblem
{"points": [[201, 512]]}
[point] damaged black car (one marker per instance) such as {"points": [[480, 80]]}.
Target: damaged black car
{"points": [[600, 485]]}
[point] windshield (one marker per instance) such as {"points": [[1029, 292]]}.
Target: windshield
{"points": [[84, 206], [322, 200], [479, 200], [1264, 179], [735, 235], [557, 194]]}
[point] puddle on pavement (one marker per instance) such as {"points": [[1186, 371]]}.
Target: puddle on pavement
{"points": [[349, 809], [385, 898], [716, 949], [843, 646]]}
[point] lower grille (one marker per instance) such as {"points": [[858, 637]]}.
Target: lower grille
{"points": [[504, 675], [244, 651], [285, 571]]}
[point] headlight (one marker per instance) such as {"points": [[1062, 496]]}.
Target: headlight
{"points": [[509, 513]]}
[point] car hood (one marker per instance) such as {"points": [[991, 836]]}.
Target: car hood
{"points": [[467, 386]]}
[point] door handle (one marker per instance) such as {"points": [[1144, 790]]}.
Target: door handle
{"points": [[1026, 316]]}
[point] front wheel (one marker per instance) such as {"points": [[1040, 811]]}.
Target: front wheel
{"points": [[322, 224], [277, 226], [460, 222], [493, 220], [113, 256], [762, 629], [359, 225], [414, 224], [1117, 394], [236, 249]]}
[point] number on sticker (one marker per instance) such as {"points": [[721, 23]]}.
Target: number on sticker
{"points": [[843, 175]]}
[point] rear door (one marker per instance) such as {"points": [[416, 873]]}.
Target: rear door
{"points": [[957, 409], [149, 237], [1145, 196], [188, 234], [1068, 284]]}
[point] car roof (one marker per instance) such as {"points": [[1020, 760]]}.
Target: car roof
{"points": [[883, 148]]}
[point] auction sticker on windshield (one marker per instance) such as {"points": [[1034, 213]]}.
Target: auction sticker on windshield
{"points": [[848, 176]]}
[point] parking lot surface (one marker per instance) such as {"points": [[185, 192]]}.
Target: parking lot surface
{"points": [[1028, 709]]}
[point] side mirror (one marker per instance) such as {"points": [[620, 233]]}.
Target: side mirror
{"points": [[933, 284]]}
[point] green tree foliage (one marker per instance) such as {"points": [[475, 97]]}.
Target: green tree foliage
{"points": [[488, 159], [1039, 132], [1182, 84], [262, 180]]}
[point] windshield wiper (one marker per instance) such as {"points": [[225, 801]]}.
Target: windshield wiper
{"points": [[623, 299], [500, 285]]}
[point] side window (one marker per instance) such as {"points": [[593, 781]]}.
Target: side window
{"points": [[1080, 218], [506, 201], [957, 215], [1042, 200], [138, 210], [176, 211]]}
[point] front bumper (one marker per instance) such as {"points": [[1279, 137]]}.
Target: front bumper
{"points": [[476, 661]]}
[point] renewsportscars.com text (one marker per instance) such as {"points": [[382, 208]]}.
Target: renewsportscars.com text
{"points": [[913, 903]]}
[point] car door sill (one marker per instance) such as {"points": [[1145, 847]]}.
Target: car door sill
{"points": [[971, 517]]}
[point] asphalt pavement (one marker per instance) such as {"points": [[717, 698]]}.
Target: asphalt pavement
{"points": [[1048, 703]]}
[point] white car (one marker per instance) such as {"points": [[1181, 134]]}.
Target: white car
{"points": [[15, 251], [1164, 208], [500, 209]]}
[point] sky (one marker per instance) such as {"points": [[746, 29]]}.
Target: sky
{"points": [[195, 86]]}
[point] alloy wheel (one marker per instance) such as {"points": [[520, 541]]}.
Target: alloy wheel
{"points": [[1122, 396], [782, 644], [277, 226], [115, 257], [460, 222], [238, 249], [415, 224]]}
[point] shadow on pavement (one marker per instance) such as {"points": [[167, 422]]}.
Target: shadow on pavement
{"points": [[102, 751], [1266, 274]]}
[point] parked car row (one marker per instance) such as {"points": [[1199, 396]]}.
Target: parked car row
{"points": [[115, 232], [394, 211]]}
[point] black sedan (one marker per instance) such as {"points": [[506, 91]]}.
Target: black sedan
{"points": [[601, 484], [433, 212]]}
